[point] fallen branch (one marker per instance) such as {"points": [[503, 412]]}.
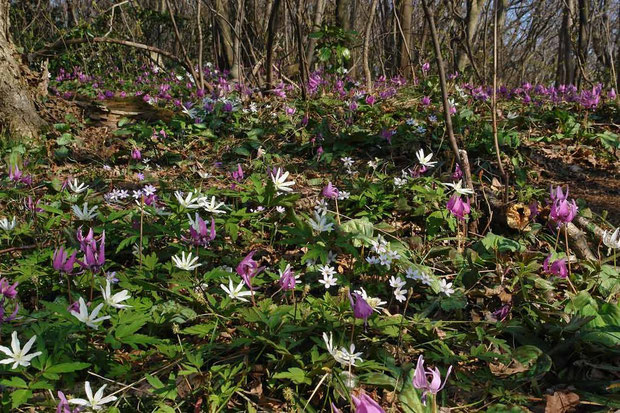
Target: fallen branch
{"points": [[64, 43]]}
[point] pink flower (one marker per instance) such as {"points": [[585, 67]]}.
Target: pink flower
{"points": [[248, 269], [557, 267], [425, 101], [426, 67], [361, 309], [457, 207], [370, 99], [563, 211], [136, 154], [365, 404], [421, 382], [330, 191]]}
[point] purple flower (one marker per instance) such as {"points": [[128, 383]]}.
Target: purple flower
{"points": [[426, 67], [501, 313], [33, 206], [365, 404], [361, 309], [421, 379], [353, 106], [290, 111], [74, 307], [611, 94], [94, 257], [563, 211], [287, 279], [62, 262], [425, 101], [457, 207], [199, 235], [8, 290], [557, 267], [457, 175], [248, 269], [15, 174], [387, 135], [330, 191], [557, 194], [238, 174], [370, 100], [63, 405], [534, 211], [136, 154], [13, 315]]}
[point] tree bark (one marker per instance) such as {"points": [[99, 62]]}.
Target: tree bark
{"points": [[564, 75], [18, 114], [367, 32], [474, 9], [222, 18], [406, 16], [318, 20], [271, 36]]}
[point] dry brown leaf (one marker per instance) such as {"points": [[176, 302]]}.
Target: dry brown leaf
{"points": [[561, 402], [518, 217], [502, 370]]}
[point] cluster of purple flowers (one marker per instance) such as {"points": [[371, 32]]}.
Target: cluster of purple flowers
{"points": [[562, 211], [7, 291]]}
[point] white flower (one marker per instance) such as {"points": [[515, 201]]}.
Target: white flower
{"points": [[89, 319], [253, 107], [328, 280], [235, 293], [321, 206], [149, 190], [399, 294], [342, 355], [320, 224], [371, 259], [95, 402], [421, 130], [16, 354], [280, 182], [373, 164], [191, 112], [76, 186], [203, 174], [397, 282], [186, 263], [280, 209], [7, 225], [347, 161], [187, 201], [212, 206], [458, 188], [84, 214], [446, 287], [116, 299], [342, 195], [375, 303], [512, 115], [136, 194], [612, 240], [411, 122], [418, 275], [425, 160], [398, 182], [326, 270]]}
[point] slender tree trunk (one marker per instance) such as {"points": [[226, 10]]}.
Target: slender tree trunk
{"points": [[564, 74], [474, 9], [406, 16], [223, 19], [18, 115], [318, 20], [271, 36], [582, 44], [367, 33]]}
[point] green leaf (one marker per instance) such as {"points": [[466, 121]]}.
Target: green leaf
{"points": [[67, 367], [19, 397], [295, 374]]}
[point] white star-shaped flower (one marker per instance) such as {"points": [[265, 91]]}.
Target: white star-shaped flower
{"points": [[212, 206], [95, 402], [89, 319], [425, 160], [16, 354], [320, 224], [280, 182], [76, 186], [236, 293], [458, 188], [188, 201], [7, 225], [116, 299], [187, 263]]}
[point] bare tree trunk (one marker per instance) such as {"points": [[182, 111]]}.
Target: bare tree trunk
{"points": [[271, 36], [318, 20], [367, 32], [406, 15], [223, 19], [564, 74], [18, 115], [582, 44], [474, 9]]}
